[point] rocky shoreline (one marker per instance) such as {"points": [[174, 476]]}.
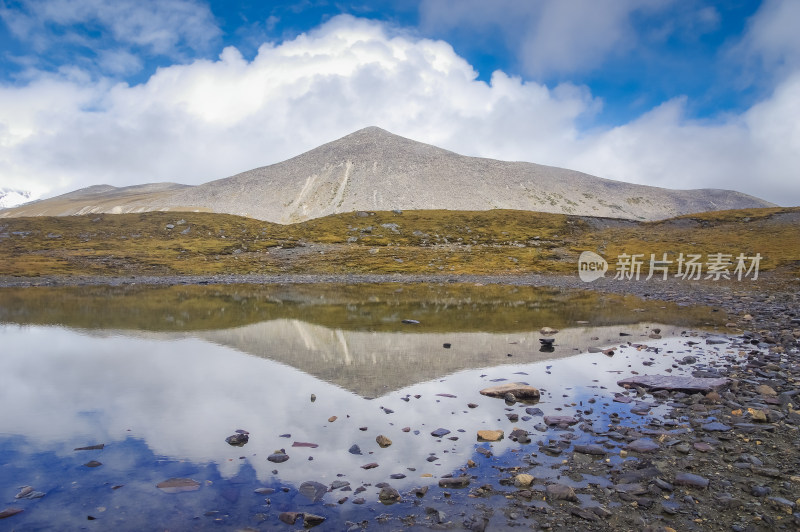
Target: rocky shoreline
{"points": [[647, 455]]}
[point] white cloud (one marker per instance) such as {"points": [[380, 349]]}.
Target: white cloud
{"points": [[210, 119], [771, 42], [159, 27], [548, 36]]}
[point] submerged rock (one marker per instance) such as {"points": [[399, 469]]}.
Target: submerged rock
{"points": [[313, 490], [176, 485], [455, 482]]}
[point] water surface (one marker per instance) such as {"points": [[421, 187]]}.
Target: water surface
{"points": [[161, 376]]}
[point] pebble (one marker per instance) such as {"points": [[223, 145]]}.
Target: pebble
{"points": [[490, 435]]}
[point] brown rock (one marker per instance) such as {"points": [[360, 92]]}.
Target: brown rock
{"points": [[490, 435], [519, 390], [383, 441], [523, 480], [765, 389]]}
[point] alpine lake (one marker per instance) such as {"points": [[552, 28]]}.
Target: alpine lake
{"points": [[246, 407]]}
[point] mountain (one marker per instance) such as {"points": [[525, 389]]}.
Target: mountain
{"points": [[373, 169]]}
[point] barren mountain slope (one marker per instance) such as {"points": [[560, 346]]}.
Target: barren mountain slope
{"points": [[373, 169]]}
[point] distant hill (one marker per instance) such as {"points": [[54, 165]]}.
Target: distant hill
{"points": [[373, 169]]}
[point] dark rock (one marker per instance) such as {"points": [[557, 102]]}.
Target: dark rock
{"points": [[438, 433], [388, 495], [716, 426], [592, 449], [690, 479], [278, 458], [98, 447], [520, 436], [8, 512], [371, 465], [289, 518], [311, 520], [313, 490], [238, 440], [560, 492], [354, 449], [305, 444], [560, 420], [675, 383], [642, 445], [455, 482]]}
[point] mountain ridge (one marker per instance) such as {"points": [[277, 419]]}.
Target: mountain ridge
{"points": [[373, 169]]}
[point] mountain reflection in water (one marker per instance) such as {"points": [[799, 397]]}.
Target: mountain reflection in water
{"points": [[109, 366]]}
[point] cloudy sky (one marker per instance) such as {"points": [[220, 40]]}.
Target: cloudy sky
{"points": [[674, 93]]}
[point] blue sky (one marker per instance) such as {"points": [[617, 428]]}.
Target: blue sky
{"points": [[673, 93]]}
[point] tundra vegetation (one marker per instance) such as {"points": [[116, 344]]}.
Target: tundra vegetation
{"points": [[496, 242]]}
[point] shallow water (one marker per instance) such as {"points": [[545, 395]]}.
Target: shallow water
{"points": [[147, 374]]}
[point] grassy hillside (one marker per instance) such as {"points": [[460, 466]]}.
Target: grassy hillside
{"points": [[482, 242]]}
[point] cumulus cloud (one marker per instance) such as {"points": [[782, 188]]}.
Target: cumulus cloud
{"points": [[212, 118], [549, 37], [155, 27], [770, 46]]}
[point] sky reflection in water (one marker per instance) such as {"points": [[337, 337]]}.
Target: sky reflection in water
{"points": [[164, 402]]}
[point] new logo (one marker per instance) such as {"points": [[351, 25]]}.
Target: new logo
{"points": [[591, 266]]}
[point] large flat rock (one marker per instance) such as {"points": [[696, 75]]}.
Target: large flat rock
{"points": [[675, 383], [519, 390]]}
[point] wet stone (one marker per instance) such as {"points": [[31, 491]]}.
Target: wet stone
{"points": [[278, 458], [592, 449], [455, 482], [176, 485], [354, 449], [560, 492], [388, 495], [675, 383], [438, 433], [716, 426], [312, 520], [313, 490], [490, 435], [519, 390], [642, 445], [560, 420], [289, 518], [8, 512], [690, 479]]}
